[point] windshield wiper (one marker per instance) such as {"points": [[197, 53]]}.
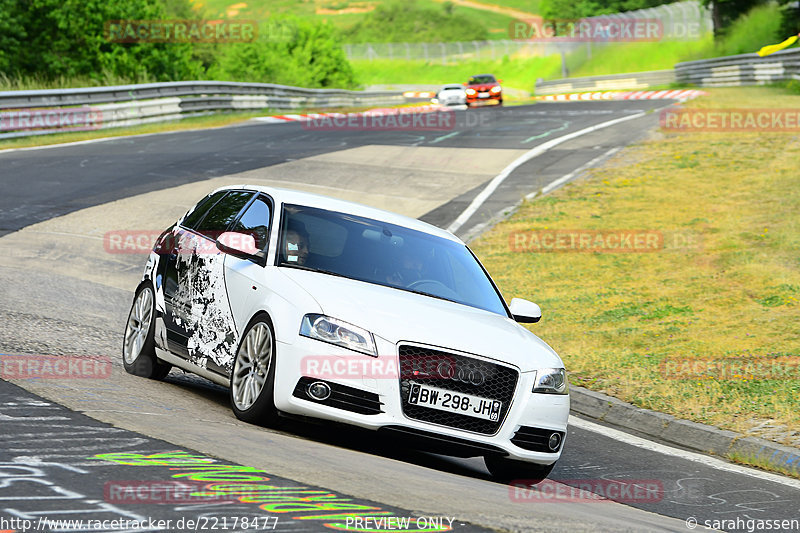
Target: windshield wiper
{"points": [[424, 294], [310, 269]]}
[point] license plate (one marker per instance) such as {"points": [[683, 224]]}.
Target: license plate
{"points": [[454, 402], [483, 95]]}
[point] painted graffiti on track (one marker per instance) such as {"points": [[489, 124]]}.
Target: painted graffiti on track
{"points": [[63, 471]]}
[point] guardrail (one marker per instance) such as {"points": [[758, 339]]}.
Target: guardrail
{"points": [[614, 82], [728, 71], [744, 69], [24, 113]]}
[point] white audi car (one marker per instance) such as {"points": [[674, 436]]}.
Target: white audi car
{"points": [[312, 306]]}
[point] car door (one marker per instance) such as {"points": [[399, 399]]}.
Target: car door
{"points": [[244, 275], [198, 320]]}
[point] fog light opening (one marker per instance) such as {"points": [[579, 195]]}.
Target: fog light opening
{"points": [[319, 390], [555, 442]]}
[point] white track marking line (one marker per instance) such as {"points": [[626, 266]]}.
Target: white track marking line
{"points": [[524, 158], [479, 228], [706, 460], [565, 178]]}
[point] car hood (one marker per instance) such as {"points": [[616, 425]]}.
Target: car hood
{"points": [[398, 315], [483, 86]]}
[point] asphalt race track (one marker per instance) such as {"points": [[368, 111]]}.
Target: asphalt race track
{"points": [[71, 447]]}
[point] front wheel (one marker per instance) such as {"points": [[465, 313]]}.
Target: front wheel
{"points": [[253, 377], [138, 346], [505, 469]]}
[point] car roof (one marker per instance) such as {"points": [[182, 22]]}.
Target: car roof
{"points": [[480, 75], [454, 86], [291, 196]]}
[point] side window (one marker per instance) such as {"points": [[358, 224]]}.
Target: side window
{"points": [[223, 213], [255, 221], [202, 207]]}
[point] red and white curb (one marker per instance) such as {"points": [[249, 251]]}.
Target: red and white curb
{"points": [[678, 94], [378, 112]]}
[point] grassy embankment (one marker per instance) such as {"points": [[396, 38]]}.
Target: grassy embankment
{"points": [[660, 329], [748, 34]]}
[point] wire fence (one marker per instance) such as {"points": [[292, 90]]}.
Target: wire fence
{"points": [[686, 20]]}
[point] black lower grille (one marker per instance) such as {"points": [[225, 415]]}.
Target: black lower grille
{"points": [[342, 397], [459, 374], [536, 439], [438, 443]]}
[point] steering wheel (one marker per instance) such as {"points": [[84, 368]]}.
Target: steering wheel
{"points": [[415, 284]]}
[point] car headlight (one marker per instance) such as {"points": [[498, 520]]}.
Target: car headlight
{"points": [[495, 89], [470, 91], [326, 329], [551, 381]]}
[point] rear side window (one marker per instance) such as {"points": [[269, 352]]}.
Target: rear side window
{"points": [[255, 221], [202, 207], [223, 213]]}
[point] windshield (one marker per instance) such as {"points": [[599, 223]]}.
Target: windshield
{"points": [[384, 254], [477, 80]]}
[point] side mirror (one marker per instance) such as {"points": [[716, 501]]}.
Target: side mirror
{"points": [[525, 311], [238, 244], [499, 81]]}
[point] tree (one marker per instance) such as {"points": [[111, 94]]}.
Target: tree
{"points": [[724, 12], [404, 21], [288, 51], [67, 38]]}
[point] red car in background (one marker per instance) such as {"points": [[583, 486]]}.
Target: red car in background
{"points": [[484, 88]]}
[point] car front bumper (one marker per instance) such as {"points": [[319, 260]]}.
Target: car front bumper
{"points": [[542, 412]]}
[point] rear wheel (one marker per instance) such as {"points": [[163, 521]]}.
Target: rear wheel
{"points": [[253, 377], [138, 345], [505, 469]]}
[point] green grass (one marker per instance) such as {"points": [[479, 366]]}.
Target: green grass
{"points": [[27, 83], [496, 23], [748, 34], [617, 58], [515, 73], [757, 28], [204, 122], [188, 123], [529, 6], [733, 295]]}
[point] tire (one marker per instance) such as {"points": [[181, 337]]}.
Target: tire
{"points": [[138, 346], [505, 469], [252, 387]]}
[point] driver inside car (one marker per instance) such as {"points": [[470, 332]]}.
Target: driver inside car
{"points": [[407, 270], [295, 245]]}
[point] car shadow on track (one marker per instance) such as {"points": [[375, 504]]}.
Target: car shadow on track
{"points": [[336, 434]]}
